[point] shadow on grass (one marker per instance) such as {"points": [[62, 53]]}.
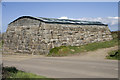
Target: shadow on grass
{"points": [[114, 55], [6, 71]]}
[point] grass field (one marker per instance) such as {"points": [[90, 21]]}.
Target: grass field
{"points": [[71, 50]]}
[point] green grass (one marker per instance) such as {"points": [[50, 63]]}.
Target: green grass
{"points": [[21, 74], [12, 72], [115, 34], [116, 57], [70, 50]]}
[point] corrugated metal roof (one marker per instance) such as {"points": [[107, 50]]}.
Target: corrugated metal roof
{"points": [[63, 21]]}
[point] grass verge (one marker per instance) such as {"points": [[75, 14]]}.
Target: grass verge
{"points": [[13, 73], [115, 57], [68, 50]]}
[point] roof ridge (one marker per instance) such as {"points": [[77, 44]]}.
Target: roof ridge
{"points": [[68, 19]]}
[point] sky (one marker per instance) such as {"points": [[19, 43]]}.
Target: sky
{"points": [[106, 12]]}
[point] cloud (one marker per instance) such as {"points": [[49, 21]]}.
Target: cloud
{"points": [[113, 17], [108, 20], [64, 17]]}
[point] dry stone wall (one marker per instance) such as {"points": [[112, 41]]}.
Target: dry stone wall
{"points": [[36, 37]]}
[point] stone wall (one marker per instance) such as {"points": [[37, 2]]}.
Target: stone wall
{"points": [[36, 37]]}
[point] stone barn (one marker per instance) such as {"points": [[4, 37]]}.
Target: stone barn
{"points": [[37, 35]]}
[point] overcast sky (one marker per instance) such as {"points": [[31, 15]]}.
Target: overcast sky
{"points": [[105, 12]]}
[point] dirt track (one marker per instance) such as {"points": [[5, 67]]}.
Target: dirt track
{"points": [[99, 54]]}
